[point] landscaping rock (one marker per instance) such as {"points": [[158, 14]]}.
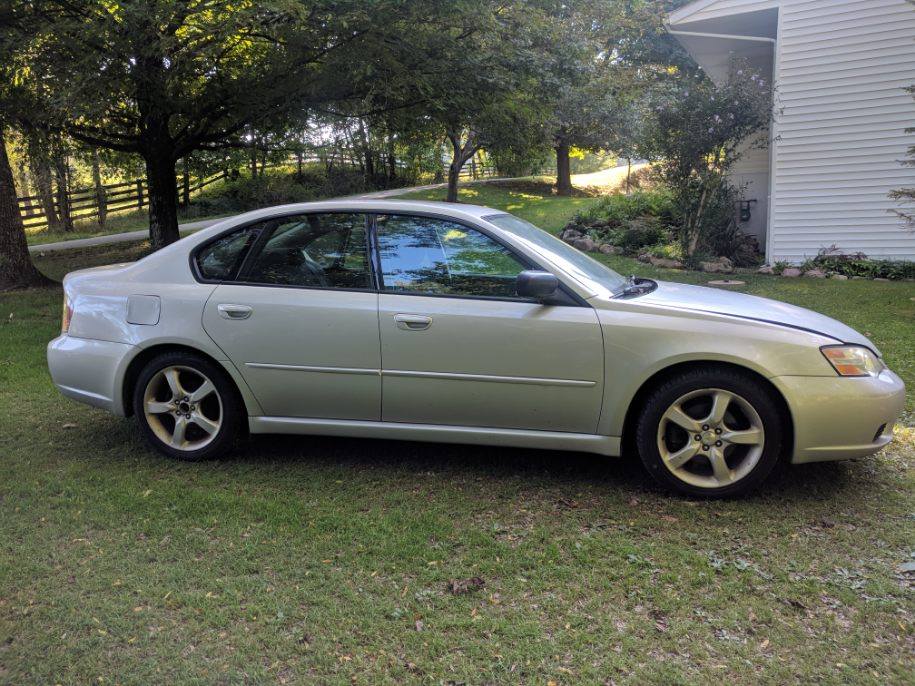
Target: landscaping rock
{"points": [[880, 278], [791, 272], [570, 234], [720, 266], [644, 257], [608, 249], [815, 274], [765, 269], [665, 263], [839, 277], [584, 244]]}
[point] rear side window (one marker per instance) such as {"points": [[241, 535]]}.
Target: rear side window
{"points": [[313, 250], [221, 259]]}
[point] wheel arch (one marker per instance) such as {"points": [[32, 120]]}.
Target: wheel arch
{"points": [[140, 360], [659, 377]]}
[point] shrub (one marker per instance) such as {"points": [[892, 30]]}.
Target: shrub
{"points": [[617, 209], [275, 188], [858, 264]]}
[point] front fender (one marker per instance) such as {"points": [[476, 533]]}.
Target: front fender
{"points": [[640, 342]]}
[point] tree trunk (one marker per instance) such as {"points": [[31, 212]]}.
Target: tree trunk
{"points": [[101, 199], [16, 268], [459, 156], [185, 184], [628, 172], [162, 188], [41, 173], [563, 170], [454, 173], [62, 176], [253, 158]]}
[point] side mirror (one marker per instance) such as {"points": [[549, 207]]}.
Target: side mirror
{"points": [[537, 285]]}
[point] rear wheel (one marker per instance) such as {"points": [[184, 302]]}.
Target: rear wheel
{"points": [[714, 433], [187, 406]]}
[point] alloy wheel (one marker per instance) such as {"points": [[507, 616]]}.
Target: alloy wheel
{"points": [[183, 408], [710, 438]]}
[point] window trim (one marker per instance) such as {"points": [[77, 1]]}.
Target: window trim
{"points": [[572, 299], [257, 244]]}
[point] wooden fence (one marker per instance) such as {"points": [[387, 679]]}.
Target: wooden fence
{"points": [[110, 199], [134, 195]]}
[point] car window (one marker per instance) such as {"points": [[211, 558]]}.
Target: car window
{"points": [[318, 250], [221, 259], [439, 257]]}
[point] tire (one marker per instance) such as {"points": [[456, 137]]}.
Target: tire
{"points": [[187, 406], [713, 433]]}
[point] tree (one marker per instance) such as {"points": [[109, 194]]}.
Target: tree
{"points": [[907, 195], [16, 268], [592, 65], [696, 132], [163, 78]]}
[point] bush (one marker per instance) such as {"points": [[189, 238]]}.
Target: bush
{"points": [[277, 188], [617, 209], [858, 264]]}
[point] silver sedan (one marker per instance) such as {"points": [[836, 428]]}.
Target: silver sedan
{"points": [[456, 323]]}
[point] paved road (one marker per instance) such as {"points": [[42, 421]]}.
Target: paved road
{"points": [[190, 227]]}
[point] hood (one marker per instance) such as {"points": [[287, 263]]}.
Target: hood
{"points": [[718, 301]]}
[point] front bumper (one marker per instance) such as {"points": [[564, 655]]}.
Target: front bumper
{"points": [[837, 418], [90, 371]]}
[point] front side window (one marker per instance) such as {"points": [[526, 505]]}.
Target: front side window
{"points": [[221, 259], [316, 250], [439, 257]]}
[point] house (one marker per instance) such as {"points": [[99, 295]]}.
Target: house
{"points": [[837, 136]]}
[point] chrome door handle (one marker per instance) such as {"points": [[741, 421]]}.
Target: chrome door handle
{"points": [[412, 322], [227, 311]]}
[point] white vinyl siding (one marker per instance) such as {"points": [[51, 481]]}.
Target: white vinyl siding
{"points": [[840, 117]]}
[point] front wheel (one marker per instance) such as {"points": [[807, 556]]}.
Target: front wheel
{"points": [[713, 433], [187, 406]]}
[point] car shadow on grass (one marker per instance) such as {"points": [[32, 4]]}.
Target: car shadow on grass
{"points": [[809, 482]]}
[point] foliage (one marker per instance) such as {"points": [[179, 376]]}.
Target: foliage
{"points": [[618, 208], [906, 196], [858, 264], [280, 187], [696, 131]]}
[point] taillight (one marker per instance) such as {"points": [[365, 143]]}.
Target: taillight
{"points": [[66, 316]]}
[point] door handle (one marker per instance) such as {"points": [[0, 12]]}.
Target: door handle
{"points": [[412, 322], [227, 311]]}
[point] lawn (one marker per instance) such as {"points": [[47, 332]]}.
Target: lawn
{"points": [[327, 560]]}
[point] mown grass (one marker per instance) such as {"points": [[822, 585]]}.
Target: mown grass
{"points": [[312, 560]]}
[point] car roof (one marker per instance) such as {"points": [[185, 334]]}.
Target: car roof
{"points": [[359, 204]]}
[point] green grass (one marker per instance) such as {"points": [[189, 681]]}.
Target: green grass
{"points": [[316, 560], [528, 199]]}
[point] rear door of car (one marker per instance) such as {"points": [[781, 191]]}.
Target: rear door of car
{"points": [[459, 347], [298, 316]]}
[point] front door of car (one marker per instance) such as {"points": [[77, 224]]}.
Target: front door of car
{"points": [[460, 348], [299, 318]]}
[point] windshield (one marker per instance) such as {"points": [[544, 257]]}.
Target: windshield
{"points": [[577, 263]]}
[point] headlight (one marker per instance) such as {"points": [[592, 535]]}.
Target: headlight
{"points": [[853, 360]]}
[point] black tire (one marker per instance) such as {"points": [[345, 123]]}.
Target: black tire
{"points": [[745, 396], [231, 412]]}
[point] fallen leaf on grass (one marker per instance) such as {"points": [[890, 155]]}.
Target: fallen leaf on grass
{"points": [[69, 425], [419, 625], [459, 586]]}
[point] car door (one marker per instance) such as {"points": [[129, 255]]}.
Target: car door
{"points": [[458, 347], [299, 317]]}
